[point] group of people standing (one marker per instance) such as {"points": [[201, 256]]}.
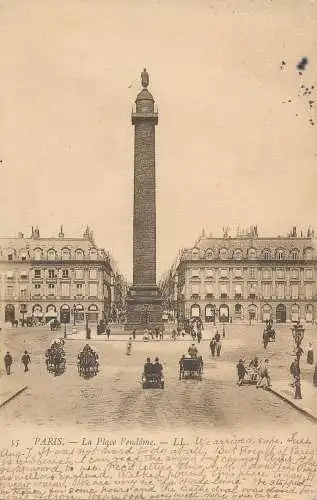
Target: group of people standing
{"points": [[215, 345], [258, 372], [8, 361]]}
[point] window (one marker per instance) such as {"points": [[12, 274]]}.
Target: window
{"points": [[252, 290], [267, 275], [195, 253], [294, 291], [308, 254], [10, 275], [65, 289], [23, 293], [223, 254], [209, 290], [195, 273], [294, 274], [252, 254], [195, 289], [93, 287], [9, 291], [37, 287], [237, 254], [51, 254], [252, 273], [51, 273], [10, 256], [238, 291], [280, 255], [79, 254], [51, 289], [23, 275], [223, 273], [209, 254], [65, 273], [37, 273], [23, 256], [79, 289], [280, 273], [294, 254], [266, 255], [93, 274], [280, 290], [238, 273], [37, 254], [266, 291], [209, 273], [65, 254], [93, 254], [223, 291], [79, 274], [308, 291], [308, 274]]}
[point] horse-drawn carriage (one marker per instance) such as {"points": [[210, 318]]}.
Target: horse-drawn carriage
{"points": [[191, 367], [152, 380], [55, 358], [55, 325], [269, 334], [88, 362]]}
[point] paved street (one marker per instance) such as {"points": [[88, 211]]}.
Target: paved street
{"points": [[115, 398]]}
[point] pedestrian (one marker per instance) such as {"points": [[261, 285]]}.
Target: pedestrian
{"points": [[299, 352], [26, 360], [161, 335], [218, 348], [183, 332], [157, 333], [193, 351], [199, 336], [217, 336], [134, 334], [294, 370], [129, 346], [315, 376], [151, 334], [241, 371], [264, 374], [108, 332], [8, 360], [212, 346], [310, 354]]}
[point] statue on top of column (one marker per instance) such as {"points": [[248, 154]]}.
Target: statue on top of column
{"points": [[145, 78]]}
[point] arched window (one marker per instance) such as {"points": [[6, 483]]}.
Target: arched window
{"points": [[266, 254], [93, 254], [93, 313], [237, 254], [195, 311], [37, 254], [308, 253], [51, 254], [79, 254], [11, 254], [209, 254], [294, 254], [223, 254], [252, 253], [65, 254], [195, 253], [280, 254]]}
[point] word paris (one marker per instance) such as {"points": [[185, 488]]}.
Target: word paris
{"points": [[99, 441]]}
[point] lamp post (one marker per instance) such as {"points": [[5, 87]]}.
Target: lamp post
{"points": [[298, 332], [74, 313], [147, 314], [87, 328]]}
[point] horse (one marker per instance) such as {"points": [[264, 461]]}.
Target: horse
{"points": [[88, 364]]}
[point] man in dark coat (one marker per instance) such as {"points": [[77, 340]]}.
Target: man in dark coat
{"points": [[8, 360], [212, 346], [241, 371], [26, 360]]}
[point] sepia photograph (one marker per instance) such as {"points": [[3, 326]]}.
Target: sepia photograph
{"points": [[158, 250]]}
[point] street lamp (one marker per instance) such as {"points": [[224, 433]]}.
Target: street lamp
{"points": [[87, 328], [298, 332], [147, 314], [74, 313]]}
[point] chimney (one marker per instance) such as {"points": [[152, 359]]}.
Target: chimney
{"points": [[21, 235]]}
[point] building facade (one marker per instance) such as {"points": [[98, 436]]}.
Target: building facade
{"points": [[248, 278], [41, 277]]}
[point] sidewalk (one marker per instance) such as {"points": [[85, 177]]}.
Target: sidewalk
{"points": [[308, 403], [9, 388]]}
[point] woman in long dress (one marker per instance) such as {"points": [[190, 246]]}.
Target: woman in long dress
{"points": [[315, 376], [310, 354]]}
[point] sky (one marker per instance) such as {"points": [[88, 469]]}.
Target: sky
{"points": [[234, 145]]}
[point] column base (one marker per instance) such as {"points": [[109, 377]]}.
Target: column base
{"points": [[144, 308]]}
